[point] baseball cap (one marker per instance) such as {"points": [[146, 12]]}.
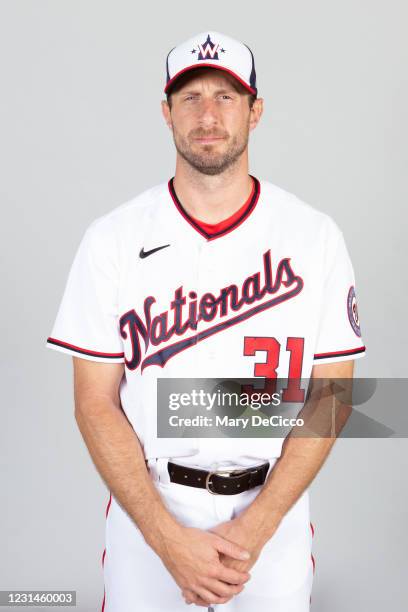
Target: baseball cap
{"points": [[215, 50]]}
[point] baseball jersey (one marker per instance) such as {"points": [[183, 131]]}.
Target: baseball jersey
{"points": [[271, 294]]}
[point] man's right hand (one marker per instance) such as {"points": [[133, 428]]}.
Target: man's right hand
{"points": [[192, 556]]}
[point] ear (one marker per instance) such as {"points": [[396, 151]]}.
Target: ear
{"points": [[166, 113], [256, 113]]}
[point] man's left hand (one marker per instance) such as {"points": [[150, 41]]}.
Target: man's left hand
{"points": [[240, 532]]}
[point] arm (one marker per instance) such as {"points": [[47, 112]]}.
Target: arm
{"points": [[191, 555], [300, 461], [114, 446]]}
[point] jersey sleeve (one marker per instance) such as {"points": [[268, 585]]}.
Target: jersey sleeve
{"points": [[86, 324], [339, 333]]}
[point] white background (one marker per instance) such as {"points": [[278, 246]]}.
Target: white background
{"points": [[81, 132]]}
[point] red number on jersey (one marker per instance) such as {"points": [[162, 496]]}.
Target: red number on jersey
{"points": [[268, 368]]}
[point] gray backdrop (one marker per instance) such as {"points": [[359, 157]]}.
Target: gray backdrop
{"points": [[81, 132]]}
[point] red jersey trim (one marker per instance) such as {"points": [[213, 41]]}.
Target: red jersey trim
{"points": [[344, 353], [104, 553], [78, 349], [214, 228], [248, 209]]}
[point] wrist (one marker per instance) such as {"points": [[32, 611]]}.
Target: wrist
{"points": [[162, 532], [262, 523]]}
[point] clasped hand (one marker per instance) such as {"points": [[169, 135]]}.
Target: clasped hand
{"points": [[212, 566]]}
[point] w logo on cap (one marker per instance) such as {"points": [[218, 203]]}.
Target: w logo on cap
{"points": [[208, 50]]}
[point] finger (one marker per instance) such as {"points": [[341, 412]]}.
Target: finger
{"points": [[239, 566], [230, 548], [188, 596], [208, 597], [222, 589], [191, 597], [232, 576], [200, 602]]}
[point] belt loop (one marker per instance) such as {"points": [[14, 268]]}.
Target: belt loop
{"points": [[162, 470], [152, 468]]}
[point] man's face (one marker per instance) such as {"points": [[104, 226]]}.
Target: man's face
{"points": [[210, 120]]}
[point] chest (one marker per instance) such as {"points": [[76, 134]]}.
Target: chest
{"points": [[215, 305]]}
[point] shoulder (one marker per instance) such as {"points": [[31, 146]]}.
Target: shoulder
{"points": [[297, 214], [132, 213]]}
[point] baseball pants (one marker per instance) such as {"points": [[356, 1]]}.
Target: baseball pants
{"points": [[136, 579]]}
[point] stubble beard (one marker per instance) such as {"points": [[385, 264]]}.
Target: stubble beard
{"points": [[207, 161]]}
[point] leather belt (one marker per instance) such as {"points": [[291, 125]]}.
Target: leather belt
{"points": [[219, 482]]}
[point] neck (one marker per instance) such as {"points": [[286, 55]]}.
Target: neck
{"points": [[212, 198]]}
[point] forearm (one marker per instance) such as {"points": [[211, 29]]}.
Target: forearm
{"points": [[299, 463], [118, 456], [305, 449]]}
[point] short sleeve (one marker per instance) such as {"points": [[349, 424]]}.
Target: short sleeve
{"points": [[339, 332], [86, 324]]}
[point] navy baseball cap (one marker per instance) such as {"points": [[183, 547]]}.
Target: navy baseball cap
{"points": [[215, 50]]}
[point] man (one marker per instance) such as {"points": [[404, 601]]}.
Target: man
{"points": [[213, 274]]}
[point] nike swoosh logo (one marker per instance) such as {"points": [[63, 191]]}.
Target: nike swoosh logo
{"points": [[144, 253]]}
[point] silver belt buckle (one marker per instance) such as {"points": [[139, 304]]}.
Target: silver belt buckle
{"points": [[219, 473]]}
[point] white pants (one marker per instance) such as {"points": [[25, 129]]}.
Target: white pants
{"points": [[135, 578]]}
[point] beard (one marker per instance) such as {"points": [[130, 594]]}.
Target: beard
{"points": [[207, 160]]}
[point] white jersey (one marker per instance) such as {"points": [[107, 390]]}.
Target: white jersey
{"points": [[271, 295]]}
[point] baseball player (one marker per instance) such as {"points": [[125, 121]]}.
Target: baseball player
{"points": [[213, 273]]}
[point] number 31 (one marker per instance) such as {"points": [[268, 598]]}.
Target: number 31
{"points": [[268, 368]]}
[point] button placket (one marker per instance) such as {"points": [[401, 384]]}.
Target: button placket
{"points": [[207, 271], [202, 283]]}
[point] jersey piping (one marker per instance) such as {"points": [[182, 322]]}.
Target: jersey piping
{"points": [[82, 350], [360, 349], [248, 207], [215, 228]]}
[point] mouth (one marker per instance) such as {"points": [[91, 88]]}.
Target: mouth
{"points": [[208, 139]]}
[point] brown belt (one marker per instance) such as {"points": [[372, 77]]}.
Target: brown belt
{"points": [[219, 482]]}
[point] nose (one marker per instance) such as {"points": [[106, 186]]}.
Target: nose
{"points": [[208, 112]]}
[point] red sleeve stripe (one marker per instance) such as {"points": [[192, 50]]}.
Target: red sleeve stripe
{"points": [[78, 349], [344, 353]]}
